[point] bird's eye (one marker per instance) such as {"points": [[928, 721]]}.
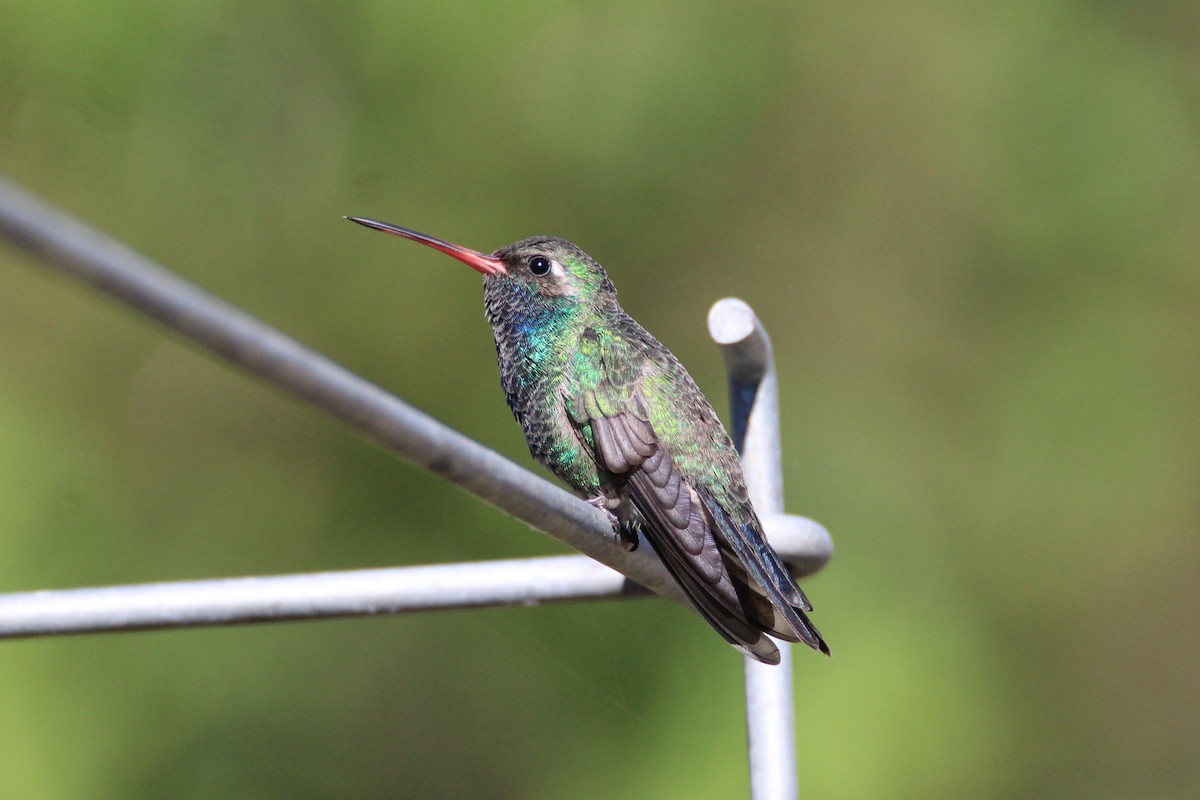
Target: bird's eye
{"points": [[539, 265]]}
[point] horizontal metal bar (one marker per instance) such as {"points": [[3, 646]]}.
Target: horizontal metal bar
{"points": [[228, 601], [519, 582]]}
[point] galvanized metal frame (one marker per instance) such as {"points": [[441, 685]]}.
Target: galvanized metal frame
{"points": [[57, 239]]}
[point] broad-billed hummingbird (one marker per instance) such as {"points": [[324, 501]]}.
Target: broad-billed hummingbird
{"points": [[613, 414]]}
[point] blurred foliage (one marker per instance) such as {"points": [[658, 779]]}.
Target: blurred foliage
{"points": [[971, 230]]}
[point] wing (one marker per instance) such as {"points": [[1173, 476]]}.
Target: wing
{"points": [[611, 415], [677, 525]]}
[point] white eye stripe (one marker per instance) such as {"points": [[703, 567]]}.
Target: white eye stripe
{"points": [[541, 266]]}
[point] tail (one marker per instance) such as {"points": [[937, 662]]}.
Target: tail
{"points": [[774, 602]]}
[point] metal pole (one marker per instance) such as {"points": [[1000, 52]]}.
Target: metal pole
{"points": [[754, 397], [520, 582], [57, 239]]}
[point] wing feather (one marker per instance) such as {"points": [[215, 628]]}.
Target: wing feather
{"points": [[730, 575], [676, 522]]}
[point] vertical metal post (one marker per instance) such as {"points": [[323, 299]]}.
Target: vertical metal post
{"points": [[754, 397]]}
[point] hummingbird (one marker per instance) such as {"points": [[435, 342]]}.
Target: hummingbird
{"points": [[610, 411]]}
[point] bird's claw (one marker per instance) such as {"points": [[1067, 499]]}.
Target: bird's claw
{"points": [[628, 532], [625, 531]]}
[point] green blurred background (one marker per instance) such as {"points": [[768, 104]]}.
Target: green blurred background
{"points": [[972, 232]]}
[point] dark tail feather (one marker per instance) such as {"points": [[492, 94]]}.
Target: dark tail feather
{"points": [[735, 629], [767, 575]]}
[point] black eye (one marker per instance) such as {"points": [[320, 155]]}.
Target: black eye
{"points": [[539, 265]]}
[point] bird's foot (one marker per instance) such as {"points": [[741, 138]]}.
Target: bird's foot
{"points": [[625, 530], [628, 532]]}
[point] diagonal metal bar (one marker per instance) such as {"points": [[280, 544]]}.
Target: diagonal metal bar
{"points": [[59, 240]]}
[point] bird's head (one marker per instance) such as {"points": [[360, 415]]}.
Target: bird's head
{"points": [[543, 271]]}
